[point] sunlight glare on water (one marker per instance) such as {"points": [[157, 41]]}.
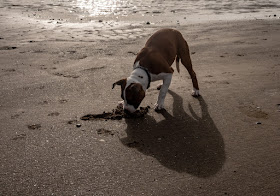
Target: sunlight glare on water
{"points": [[103, 7], [127, 7], [185, 8]]}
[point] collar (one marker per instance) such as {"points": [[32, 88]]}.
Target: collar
{"points": [[147, 72]]}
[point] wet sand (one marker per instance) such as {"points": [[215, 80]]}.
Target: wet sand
{"points": [[53, 72]]}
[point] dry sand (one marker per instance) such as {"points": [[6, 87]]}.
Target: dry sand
{"points": [[53, 72]]}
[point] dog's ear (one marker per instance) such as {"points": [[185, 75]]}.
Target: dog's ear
{"points": [[121, 82]]}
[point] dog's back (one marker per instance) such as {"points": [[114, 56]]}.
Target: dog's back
{"points": [[162, 48], [166, 42]]}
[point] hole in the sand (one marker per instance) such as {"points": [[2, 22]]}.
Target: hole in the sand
{"points": [[63, 101], [105, 132], [34, 126], [71, 122], [53, 114], [117, 114]]}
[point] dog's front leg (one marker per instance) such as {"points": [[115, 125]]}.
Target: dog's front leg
{"points": [[163, 91]]}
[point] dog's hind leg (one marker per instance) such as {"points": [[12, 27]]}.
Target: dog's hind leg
{"points": [[184, 54]]}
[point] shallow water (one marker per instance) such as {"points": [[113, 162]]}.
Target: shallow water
{"points": [[126, 7], [93, 8]]}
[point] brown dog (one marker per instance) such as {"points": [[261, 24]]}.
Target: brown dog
{"points": [[154, 63]]}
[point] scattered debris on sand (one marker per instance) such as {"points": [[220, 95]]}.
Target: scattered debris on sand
{"points": [[117, 114]]}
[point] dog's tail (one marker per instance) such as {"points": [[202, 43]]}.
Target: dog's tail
{"points": [[177, 63]]}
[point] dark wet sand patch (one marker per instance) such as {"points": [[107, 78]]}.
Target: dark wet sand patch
{"points": [[253, 112], [117, 114]]}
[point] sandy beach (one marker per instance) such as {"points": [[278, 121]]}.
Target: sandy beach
{"points": [[57, 65]]}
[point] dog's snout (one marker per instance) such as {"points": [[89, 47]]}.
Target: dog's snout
{"points": [[128, 109]]}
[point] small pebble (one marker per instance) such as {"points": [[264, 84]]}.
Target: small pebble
{"points": [[78, 125], [148, 23], [258, 123]]}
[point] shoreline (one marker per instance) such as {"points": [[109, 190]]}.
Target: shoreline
{"points": [[22, 28], [72, 11]]}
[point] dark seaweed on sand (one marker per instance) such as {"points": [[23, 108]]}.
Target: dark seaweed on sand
{"points": [[117, 114]]}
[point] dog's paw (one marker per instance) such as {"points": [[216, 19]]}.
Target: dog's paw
{"points": [[195, 93], [159, 107]]}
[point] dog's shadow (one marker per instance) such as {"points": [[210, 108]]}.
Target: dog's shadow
{"points": [[179, 142]]}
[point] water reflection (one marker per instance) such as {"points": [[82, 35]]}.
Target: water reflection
{"points": [[126, 7], [104, 7], [146, 7]]}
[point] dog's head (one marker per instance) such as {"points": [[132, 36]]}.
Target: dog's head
{"points": [[132, 93]]}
